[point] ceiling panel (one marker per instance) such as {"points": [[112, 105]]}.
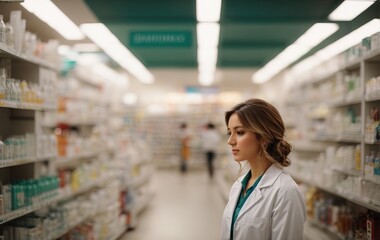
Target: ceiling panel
{"points": [[252, 32]]}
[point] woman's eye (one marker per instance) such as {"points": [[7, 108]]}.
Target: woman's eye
{"points": [[240, 132], [228, 133]]}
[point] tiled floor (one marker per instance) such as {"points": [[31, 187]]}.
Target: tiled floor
{"points": [[185, 207]]}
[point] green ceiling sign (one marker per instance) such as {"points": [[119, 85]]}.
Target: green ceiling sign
{"points": [[160, 39]]}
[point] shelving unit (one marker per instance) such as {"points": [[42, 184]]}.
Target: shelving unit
{"points": [[91, 148], [336, 113]]}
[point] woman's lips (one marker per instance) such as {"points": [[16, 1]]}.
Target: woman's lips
{"points": [[234, 151]]}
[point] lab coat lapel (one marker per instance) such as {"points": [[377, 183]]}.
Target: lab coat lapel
{"points": [[235, 192], [267, 180]]}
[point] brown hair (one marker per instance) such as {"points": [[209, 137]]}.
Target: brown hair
{"points": [[263, 119]]}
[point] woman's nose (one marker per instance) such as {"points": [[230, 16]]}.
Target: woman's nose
{"points": [[231, 140]]}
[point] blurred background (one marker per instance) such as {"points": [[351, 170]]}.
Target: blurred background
{"points": [[93, 94]]}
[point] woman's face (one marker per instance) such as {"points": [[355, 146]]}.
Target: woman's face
{"points": [[244, 143]]}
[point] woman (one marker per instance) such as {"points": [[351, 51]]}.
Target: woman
{"points": [[266, 202]]}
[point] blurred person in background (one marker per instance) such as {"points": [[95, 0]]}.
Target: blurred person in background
{"points": [[185, 138], [265, 203], [210, 141]]}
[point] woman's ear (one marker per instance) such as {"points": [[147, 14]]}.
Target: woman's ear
{"points": [[263, 142]]}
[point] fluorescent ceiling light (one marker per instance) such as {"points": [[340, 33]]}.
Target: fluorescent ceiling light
{"points": [[351, 39], [337, 47], [88, 59], [206, 79], [203, 68], [312, 37], [208, 34], [208, 10], [109, 74], [86, 47], [207, 55], [48, 12], [130, 99], [111, 45], [316, 34], [207, 59], [350, 9]]}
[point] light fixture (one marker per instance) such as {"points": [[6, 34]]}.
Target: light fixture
{"points": [[130, 99], [312, 37], [208, 10], [338, 46], [48, 12], [208, 34], [109, 74], [207, 53], [206, 79], [350, 9], [86, 47], [111, 45]]}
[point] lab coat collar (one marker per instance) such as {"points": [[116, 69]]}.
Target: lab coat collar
{"points": [[269, 177]]}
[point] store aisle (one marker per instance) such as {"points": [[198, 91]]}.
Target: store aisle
{"points": [[185, 207]]}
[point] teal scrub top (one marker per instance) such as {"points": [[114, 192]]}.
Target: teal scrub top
{"points": [[242, 198]]}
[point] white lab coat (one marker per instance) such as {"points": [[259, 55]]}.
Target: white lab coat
{"points": [[275, 209]]}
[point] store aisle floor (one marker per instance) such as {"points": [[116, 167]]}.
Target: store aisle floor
{"points": [[185, 207]]}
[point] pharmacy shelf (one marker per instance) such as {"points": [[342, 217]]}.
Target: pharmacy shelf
{"points": [[139, 181], [59, 195], [22, 161], [72, 226], [374, 179], [372, 97], [351, 172], [25, 106], [317, 231], [346, 102], [307, 146], [357, 199], [73, 121], [352, 64], [134, 162], [67, 194], [143, 201], [77, 158], [26, 210], [371, 141], [9, 52], [339, 138]]}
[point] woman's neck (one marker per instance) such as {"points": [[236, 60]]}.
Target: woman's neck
{"points": [[259, 167]]}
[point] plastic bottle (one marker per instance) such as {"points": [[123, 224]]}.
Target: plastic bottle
{"points": [[371, 164], [370, 222], [1, 150], [2, 30], [376, 165], [3, 77], [357, 158], [9, 35]]}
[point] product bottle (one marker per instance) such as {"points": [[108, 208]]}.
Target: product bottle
{"points": [[357, 158], [9, 35], [376, 165], [3, 77], [370, 226], [371, 164], [1, 150], [2, 30]]}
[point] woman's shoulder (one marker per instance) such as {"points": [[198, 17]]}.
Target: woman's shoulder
{"points": [[285, 182]]}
